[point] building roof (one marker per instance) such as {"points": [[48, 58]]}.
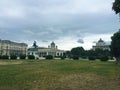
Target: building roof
{"points": [[9, 42], [52, 43], [100, 40]]}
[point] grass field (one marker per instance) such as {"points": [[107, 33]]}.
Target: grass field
{"points": [[59, 75]]}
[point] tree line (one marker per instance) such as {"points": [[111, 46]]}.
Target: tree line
{"points": [[80, 53], [115, 44]]}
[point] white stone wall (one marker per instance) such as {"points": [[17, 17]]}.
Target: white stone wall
{"points": [[12, 48]]}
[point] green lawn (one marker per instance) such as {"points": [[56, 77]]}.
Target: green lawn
{"points": [[59, 75]]}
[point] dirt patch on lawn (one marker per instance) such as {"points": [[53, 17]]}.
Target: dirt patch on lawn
{"points": [[88, 82], [11, 62]]}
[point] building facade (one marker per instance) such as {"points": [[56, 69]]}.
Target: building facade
{"points": [[101, 45], [12, 48], [43, 51]]}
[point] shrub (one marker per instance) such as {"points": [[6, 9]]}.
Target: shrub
{"points": [[104, 58], [31, 57], [83, 57], [4, 57], [49, 57], [91, 58], [62, 57], [13, 57], [75, 58], [22, 56]]}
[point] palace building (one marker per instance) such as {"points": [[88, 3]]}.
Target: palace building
{"points": [[52, 49], [12, 48], [101, 45]]}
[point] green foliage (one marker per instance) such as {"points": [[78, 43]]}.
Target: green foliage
{"points": [[31, 57], [62, 57], [75, 57], [84, 57], [92, 58], [91, 53], [98, 53], [104, 58], [116, 6], [4, 57], [49, 57], [22, 56], [78, 51], [68, 54], [115, 45], [13, 57]]}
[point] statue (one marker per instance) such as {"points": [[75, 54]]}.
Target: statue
{"points": [[35, 45]]}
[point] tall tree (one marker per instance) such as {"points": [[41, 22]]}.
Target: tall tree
{"points": [[77, 51], [115, 45], [116, 6]]}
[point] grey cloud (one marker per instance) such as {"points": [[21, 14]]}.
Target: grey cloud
{"points": [[52, 19], [44, 41], [94, 42], [80, 41]]}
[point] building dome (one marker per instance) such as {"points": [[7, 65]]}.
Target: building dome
{"points": [[52, 44], [100, 40], [100, 43]]}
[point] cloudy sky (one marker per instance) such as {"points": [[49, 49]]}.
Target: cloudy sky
{"points": [[69, 23]]}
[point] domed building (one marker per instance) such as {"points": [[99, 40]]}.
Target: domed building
{"points": [[101, 45], [52, 46], [44, 51]]}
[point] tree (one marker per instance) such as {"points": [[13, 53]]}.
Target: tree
{"points": [[115, 45], [68, 54], [116, 6], [91, 55], [101, 52], [98, 53], [77, 52], [104, 58]]}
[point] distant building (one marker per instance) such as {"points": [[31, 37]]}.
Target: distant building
{"points": [[12, 48], [101, 45], [43, 51]]}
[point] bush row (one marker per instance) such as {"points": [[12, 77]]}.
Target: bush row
{"points": [[28, 57], [102, 58], [12, 57]]}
